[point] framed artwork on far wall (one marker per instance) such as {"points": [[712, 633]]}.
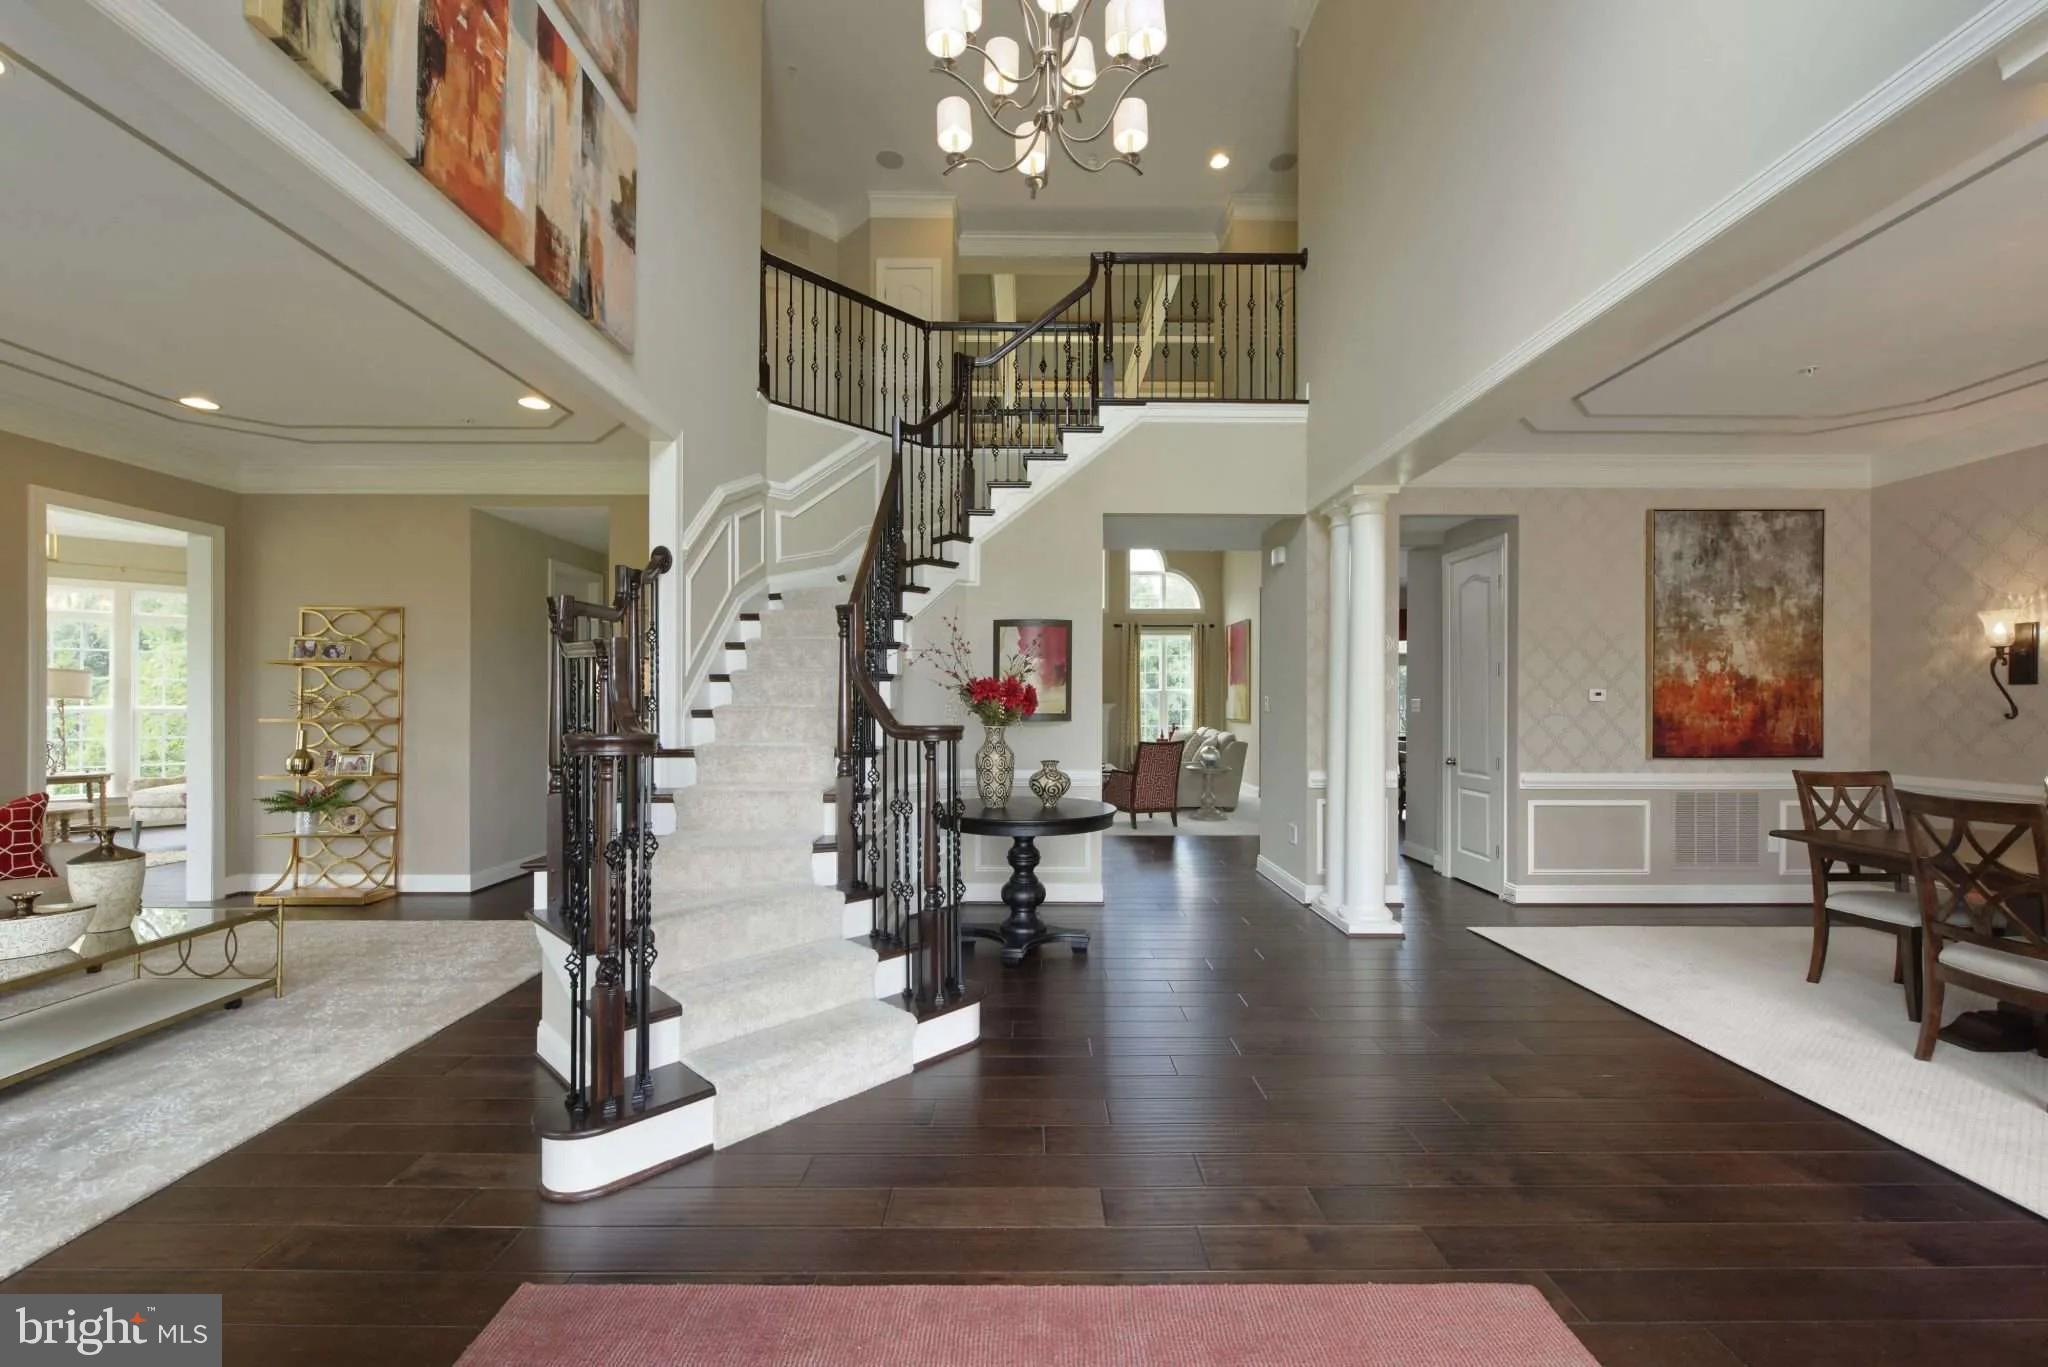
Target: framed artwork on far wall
{"points": [[1737, 601], [1049, 644], [1237, 671]]}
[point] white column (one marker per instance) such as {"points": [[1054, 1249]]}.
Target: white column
{"points": [[1365, 798], [1339, 636]]}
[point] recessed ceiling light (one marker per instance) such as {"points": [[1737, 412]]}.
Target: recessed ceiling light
{"points": [[1218, 160], [535, 402], [200, 402]]}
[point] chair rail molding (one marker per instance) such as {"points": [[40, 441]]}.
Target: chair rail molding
{"points": [[1708, 780], [1659, 894]]}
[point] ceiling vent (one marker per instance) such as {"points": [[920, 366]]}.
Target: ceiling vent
{"points": [[1716, 829]]}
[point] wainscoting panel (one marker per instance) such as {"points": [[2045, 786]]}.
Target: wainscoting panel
{"points": [[1589, 836]]}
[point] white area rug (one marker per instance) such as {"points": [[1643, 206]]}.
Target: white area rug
{"points": [[90, 1140], [1843, 1042]]}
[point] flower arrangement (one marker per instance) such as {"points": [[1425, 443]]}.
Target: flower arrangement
{"points": [[316, 799], [1000, 699]]}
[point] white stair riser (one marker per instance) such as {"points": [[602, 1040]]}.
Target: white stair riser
{"points": [[945, 1034], [581, 1167]]}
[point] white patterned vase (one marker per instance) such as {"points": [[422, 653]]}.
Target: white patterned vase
{"points": [[110, 878], [995, 768], [1050, 784]]}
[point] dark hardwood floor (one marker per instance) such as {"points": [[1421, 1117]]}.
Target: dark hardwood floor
{"points": [[1223, 1089]]}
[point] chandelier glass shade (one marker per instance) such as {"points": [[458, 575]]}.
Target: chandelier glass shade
{"points": [[1043, 83]]}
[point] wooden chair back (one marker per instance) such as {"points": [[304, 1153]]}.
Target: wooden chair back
{"points": [[1980, 870], [1848, 800]]}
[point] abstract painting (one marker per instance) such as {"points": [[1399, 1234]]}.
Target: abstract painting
{"points": [[1049, 645], [1736, 607], [610, 29], [489, 100], [1237, 671]]}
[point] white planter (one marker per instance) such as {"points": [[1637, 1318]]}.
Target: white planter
{"points": [[305, 823], [114, 888]]}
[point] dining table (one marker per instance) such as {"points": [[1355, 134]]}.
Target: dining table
{"points": [[2010, 1029]]}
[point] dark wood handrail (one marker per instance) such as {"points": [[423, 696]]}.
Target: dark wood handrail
{"points": [[1299, 260], [1050, 316], [836, 287]]}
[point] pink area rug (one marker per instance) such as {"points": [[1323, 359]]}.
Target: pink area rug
{"points": [[1363, 1325]]}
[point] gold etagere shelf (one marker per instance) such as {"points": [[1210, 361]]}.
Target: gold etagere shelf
{"points": [[348, 704]]}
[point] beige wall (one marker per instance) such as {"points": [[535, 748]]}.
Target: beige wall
{"points": [[812, 251], [508, 694], [1945, 547], [1450, 221]]}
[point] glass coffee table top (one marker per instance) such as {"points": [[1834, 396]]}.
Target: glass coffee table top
{"points": [[152, 926]]}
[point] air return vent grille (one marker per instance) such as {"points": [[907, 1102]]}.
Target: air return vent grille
{"points": [[1716, 828]]}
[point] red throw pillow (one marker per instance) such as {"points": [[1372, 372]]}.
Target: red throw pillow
{"points": [[21, 838]]}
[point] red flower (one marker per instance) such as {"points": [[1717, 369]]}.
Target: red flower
{"points": [[1030, 701]]}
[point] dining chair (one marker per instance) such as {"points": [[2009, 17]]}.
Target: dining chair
{"points": [[1150, 785], [1982, 897], [1858, 800]]}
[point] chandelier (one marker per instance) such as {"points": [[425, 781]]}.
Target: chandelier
{"points": [[1046, 80]]}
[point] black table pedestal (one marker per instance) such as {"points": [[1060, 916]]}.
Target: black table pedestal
{"points": [[1022, 931]]}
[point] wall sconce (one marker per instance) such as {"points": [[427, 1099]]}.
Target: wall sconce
{"points": [[2016, 645]]}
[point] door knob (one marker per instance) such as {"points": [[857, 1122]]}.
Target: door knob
{"points": [[1451, 763]]}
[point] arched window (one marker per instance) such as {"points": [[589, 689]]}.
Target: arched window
{"points": [[1155, 587]]}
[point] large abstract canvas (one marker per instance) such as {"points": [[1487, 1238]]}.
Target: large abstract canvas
{"points": [[1736, 607], [490, 101], [1237, 671], [610, 30]]}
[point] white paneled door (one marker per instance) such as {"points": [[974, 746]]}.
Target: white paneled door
{"points": [[1475, 714]]}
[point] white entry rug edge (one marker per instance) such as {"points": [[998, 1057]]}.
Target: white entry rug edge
{"points": [[1843, 1043], [83, 1144]]}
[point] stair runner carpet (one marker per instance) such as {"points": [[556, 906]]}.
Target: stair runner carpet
{"points": [[779, 1008]]}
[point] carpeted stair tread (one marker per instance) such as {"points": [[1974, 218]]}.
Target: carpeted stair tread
{"points": [[741, 924], [790, 808], [772, 1076], [742, 996], [698, 865], [727, 763]]}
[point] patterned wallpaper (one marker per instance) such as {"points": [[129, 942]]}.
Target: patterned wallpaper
{"points": [[1582, 597], [1948, 546]]}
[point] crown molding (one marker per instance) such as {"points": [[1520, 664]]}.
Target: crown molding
{"points": [[1968, 44], [1495, 470], [792, 207], [1261, 209], [912, 204], [1081, 244]]}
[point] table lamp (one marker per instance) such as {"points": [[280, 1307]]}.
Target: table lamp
{"points": [[65, 686]]}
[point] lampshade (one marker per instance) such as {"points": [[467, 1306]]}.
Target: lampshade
{"points": [[69, 685], [945, 28], [1058, 6], [956, 126], [973, 11], [1031, 148], [1079, 71], [2000, 624], [1132, 129], [1001, 64], [1116, 30], [1146, 22]]}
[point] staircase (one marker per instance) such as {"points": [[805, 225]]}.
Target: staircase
{"points": [[791, 938], [778, 1006]]}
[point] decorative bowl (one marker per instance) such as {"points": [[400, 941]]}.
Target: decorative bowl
{"points": [[46, 932]]}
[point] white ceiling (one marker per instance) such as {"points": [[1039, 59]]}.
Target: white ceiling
{"points": [[1917, 341], [99, 527], [590, 528], [134, 278], [846, 81]]}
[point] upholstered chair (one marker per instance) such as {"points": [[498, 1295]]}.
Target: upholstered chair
{"points": [[1150, 785]]}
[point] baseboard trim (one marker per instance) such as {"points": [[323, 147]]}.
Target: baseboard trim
{"points": [[1280, 878], [1658, 894], [1248, 790], [1421, 854], [1379, 930]]}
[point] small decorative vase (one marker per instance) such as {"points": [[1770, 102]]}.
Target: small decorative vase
{"points": [[305, 823], [110, 878], [1049, 785], [995, 768]]}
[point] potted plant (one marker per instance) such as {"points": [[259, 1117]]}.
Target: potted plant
{"points": [[307, 804], [998, 701]]}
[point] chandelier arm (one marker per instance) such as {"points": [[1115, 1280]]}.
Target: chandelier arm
{"points": [[1120, 64], [1122, 159], [1002, 101], [1074, 34], [1031, 36], [954, 164], [1110, 122]]}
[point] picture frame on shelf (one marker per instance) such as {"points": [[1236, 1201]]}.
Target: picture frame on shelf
{"points": [[336, 650], [349, 763], [305, 648]]}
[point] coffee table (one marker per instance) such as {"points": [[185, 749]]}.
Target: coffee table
{"points": [[169, 989]]}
